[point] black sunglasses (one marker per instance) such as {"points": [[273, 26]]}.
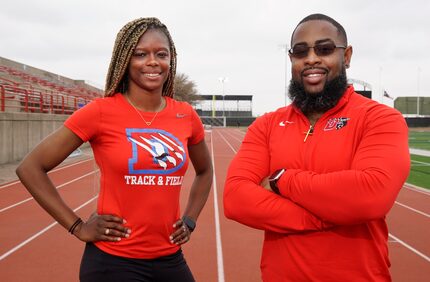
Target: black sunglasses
{"points": [[300, 51]]}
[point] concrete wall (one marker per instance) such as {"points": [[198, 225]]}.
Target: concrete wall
{"points": [[20, 132]]}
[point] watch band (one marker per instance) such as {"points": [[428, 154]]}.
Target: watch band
{"points": [[189, 222], [274, 187], [273, 180]]}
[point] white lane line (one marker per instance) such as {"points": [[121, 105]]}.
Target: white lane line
{"points": [[14, 249], [58, 187], [219, 257], [233, 133], [234, 137], [412, 209], [241, 132], [228, 143], [418, 162], [237, 132], [410, 248], [417, 189], [55, 170]]}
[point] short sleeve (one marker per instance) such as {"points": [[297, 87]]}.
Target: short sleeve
{"points": [[198, 132], [85, 121]]}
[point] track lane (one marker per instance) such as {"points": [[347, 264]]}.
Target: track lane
{"points": [[29, 218], [53, 256], [410, 227], [200, 252], [241, 244], [66, 164], [12, 194], [415, 199], [407, 266]]}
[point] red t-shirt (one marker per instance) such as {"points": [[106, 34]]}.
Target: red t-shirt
{"points": [[141, 168], [328, 224]]}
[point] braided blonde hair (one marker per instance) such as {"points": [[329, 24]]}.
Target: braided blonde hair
{"points": [[125, 43]]}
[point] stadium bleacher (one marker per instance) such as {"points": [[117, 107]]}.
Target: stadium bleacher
{"points": [[28, 89]]}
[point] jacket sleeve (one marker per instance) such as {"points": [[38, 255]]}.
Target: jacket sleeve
{"points": [[368, 189], [247, 202]]}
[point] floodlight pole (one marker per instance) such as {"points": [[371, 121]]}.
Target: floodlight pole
{"points": [[223, 80]]}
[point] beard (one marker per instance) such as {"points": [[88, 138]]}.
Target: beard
{"points": [[318, 102]]}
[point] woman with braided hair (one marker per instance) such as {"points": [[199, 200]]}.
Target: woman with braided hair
{"points": [[142, 139]]}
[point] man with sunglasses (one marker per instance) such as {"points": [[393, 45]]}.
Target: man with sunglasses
{"points": [[320, 175]]}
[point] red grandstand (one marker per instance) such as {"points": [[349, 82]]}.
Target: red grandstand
{"points": [[28, 89]]}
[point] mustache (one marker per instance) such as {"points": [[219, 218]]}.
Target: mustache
{"points": [[313, 68]]}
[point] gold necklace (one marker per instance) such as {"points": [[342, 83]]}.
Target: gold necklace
{"points": [[148, 123]]}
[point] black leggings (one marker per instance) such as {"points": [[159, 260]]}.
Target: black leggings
{"points": [[97, 265]]}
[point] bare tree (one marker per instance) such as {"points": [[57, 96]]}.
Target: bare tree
{"points": [[185, 89]]}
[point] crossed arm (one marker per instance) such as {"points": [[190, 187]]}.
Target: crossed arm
{"points": [[368, 189], [247, 202], [312, 201]]}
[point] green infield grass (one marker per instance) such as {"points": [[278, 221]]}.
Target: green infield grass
{"points": [[420, 171], [419, 139]]}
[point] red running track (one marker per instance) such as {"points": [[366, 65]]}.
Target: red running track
{"points": [[34, 248]]}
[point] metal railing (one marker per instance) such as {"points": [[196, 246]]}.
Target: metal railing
{"points": [[18, 99]]}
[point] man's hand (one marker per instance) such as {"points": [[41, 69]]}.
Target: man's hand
{"points": [[265, 184]]}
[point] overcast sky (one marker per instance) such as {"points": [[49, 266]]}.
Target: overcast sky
{"points": [[240, 40]]}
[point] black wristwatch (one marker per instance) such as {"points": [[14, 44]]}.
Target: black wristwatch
{"points": [[189, 222], [273, 180]]}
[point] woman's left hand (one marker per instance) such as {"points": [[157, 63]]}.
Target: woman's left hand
{"points": [[181, 235]]}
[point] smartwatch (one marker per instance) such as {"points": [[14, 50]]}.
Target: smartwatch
{"points": [[189, 222], [273, 180]]}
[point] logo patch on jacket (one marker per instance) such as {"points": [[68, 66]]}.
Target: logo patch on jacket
{"points": [[336, 123]]}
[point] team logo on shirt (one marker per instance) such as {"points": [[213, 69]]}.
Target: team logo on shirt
{"points": [[285, 122], [154, 151], [336, 123]]}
